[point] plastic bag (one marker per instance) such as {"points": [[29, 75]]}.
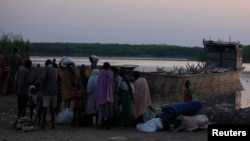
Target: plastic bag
{"points": [[150, 126], [65, 116]]}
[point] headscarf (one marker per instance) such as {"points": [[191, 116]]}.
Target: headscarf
{"points": [[141, 99], [105, 88], [91, 86]]}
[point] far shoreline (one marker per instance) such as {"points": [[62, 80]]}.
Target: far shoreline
{"points": [[125, 58]]}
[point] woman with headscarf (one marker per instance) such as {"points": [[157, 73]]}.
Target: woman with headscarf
{"points": [[105, 95], [126, 100], [91, 89], [141, 99], [69, 75]]}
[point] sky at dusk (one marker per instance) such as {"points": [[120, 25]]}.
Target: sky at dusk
{"points": [[171, 22]]}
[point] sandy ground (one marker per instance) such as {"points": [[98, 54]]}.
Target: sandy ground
{"points": [[8, 109]]}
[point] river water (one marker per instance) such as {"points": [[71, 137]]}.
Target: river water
{"points": [[151, 64]]}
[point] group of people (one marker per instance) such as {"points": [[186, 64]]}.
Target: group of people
{"points": [[41, 84], [118, 95], [101, 96], [106, 94]]}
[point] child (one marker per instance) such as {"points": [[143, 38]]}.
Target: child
{"points": [[77, 103], [188, 96], [32, 100]]}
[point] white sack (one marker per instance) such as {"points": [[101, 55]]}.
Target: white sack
{"points": [[65, 61], [150, 126], [65, 116]]}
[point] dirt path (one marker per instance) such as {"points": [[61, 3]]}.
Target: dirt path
{"points": [[67, 133]]}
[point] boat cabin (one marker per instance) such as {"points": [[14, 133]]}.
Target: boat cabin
{"points": [[222, 54]]}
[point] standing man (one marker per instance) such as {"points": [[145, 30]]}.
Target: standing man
{"points": [[54, 63], [49, 90], [105, 95], [15, 61], [23, 82]]}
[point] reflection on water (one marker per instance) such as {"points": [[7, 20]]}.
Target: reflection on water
{"points": [[242, 98]]}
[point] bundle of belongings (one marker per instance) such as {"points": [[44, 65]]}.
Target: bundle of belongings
{"points": [[66, 61], [184, 116], [190, 123], [93, 59], [151, 125], [24, 124]]}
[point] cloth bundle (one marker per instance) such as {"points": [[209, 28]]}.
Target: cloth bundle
{"points": [[171, 112]]}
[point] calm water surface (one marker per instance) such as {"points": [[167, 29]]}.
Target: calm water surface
{"points": [[151, 64]]}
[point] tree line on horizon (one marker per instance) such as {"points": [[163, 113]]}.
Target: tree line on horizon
{"points": [[116, 50], [124, 50], [8, 41]]}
